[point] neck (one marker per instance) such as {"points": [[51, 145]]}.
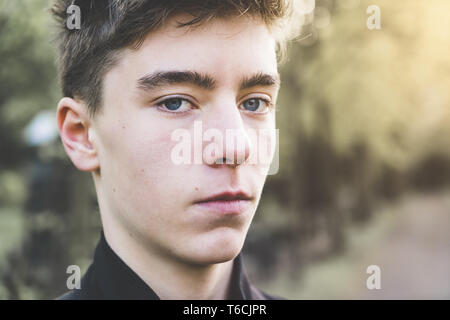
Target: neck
{"points": [[171, 278]]}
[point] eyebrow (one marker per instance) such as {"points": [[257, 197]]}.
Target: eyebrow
{"points": [[162, 78], [204, 81], [260, 80]]}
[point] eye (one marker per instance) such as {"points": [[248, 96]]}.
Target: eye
{"points": [[257, 105], [175, 105]]}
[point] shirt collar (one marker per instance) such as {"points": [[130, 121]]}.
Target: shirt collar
{"points": [[113, 279]]}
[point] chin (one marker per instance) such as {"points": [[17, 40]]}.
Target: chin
{"points": [[217, 246]]}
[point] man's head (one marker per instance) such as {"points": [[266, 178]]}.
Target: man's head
{"points": [[135, 73]]}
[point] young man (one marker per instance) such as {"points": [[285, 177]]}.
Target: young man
{"points": [[133, 74]]}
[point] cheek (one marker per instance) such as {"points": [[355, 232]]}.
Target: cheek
{"points": [[154, 189], [147, 156], [136, 164]]}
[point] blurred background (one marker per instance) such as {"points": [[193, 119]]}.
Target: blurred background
{"points": [[364, 179]]}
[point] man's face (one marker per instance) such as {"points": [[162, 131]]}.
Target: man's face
{"points": [[218, 74]]}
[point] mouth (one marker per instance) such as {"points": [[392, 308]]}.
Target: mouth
{"points": [[227, 196], [228, 202]]}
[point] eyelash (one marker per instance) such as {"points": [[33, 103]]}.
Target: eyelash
{"points": [[160, 104]]}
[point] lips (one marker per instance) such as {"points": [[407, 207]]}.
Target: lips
{"points": [[227, 196], [229, 203]]}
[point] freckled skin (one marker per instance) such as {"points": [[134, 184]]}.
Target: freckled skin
{"points": [[141, 192]]}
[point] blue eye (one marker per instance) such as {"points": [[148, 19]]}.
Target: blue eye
{"points": [[251, 104], [173, 104], [254, 104]]}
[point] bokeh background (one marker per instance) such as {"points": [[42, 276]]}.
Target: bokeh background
{"points": [[364, 179]]}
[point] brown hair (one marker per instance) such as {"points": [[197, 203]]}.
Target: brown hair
{"points": [[86, 54]]}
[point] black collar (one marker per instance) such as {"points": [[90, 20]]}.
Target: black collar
{"points": [[110, 278]]}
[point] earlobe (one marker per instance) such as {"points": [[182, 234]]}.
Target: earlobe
{"points": [[77, 134]]}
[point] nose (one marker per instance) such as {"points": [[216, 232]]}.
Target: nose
{"points": [[226, 138]]}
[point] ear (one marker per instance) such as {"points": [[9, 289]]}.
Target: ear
{"points": [[77, 134]]}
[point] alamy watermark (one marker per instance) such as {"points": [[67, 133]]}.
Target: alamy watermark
{"points": [[74, 280], [74, 17], [257, 147], [374, 20], [374, 280]]}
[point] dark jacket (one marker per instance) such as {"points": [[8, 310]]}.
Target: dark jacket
{"points": [[108, 277]]}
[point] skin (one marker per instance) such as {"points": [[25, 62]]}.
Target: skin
{"points": [[146, 201]]}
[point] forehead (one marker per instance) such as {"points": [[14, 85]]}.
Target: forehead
{"points": [[226, 47]]}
